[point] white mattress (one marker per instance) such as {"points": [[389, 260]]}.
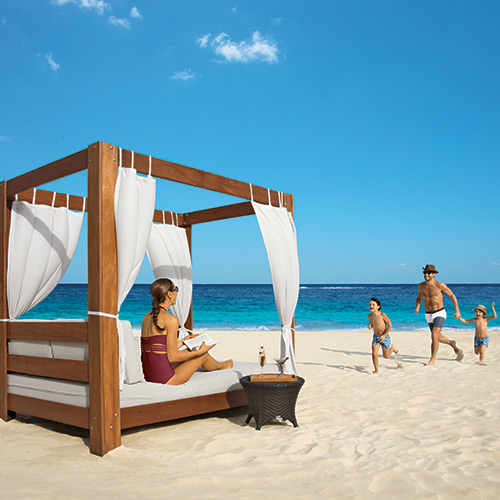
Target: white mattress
{"points": [[77, 393]]}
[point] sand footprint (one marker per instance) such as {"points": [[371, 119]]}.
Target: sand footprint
{"points": [[364, 449]]}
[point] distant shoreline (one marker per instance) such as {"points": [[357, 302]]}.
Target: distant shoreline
{"points": [[314, 284]]}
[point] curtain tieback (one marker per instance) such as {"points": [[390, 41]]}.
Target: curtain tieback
{"points": [[106, 315], [184, 329]]}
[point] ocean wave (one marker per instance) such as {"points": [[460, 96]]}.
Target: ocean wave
{"points": [[260, 328], [332, 287]]}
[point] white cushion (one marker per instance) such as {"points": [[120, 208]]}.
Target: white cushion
{"points": [[133, 364], [200, 384], [39, 348], [49, 389], [70, 350], [77, 393]]}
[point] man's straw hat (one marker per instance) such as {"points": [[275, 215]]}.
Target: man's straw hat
{"points": [[429, 268]]}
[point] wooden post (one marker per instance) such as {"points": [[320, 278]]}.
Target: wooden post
{"points": [[104, 375], [4, 312], [189, 235]]}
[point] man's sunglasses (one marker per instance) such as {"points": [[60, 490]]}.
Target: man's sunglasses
{"points": [[428, 273], [175, 289]]}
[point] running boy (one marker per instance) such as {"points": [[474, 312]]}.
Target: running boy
{"points": [[381, 327], [481, 338]]}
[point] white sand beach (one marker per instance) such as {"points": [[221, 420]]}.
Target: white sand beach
{"points": [[413, 433]]}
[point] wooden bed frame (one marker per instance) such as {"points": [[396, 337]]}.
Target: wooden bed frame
{"points": [[104, 418]]}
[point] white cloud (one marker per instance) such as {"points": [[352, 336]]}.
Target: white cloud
{"points": [[3, 22], [258, 48], [53, 65], [187, 74], [277, 21], [203, 41], [119, 21], [3, 138], [135, 13], [391, 267], [98, 5]]}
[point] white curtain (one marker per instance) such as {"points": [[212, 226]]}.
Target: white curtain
{"points": [[42, 243], [278, 231], [134, 210], [169, 256]]}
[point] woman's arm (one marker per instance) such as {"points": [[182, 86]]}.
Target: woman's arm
{"points": [[171, 324], [180, 342]]}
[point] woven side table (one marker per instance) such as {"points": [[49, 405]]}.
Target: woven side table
{"points": [[268, 400]]}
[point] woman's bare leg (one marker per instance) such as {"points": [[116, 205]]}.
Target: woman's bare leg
{"points": [[184, 371], [212, 364]]}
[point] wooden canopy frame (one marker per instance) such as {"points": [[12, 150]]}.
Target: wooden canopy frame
{"points": [[103, 417]]}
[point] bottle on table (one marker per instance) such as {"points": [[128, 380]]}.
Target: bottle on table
{"points": [[262, 358]]}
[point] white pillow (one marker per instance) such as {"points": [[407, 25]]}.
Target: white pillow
{"points": [[70, 350], [40, 348], [133, 364]]}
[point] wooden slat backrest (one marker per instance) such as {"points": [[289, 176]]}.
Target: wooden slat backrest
{"points": [[64, 331], [65, 369]]}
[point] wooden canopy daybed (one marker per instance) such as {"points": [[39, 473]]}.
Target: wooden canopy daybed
{"points": [[103, 417]]}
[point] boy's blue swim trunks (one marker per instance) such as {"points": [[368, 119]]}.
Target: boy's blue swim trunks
{"points": [[479, 341], [386, 343]]}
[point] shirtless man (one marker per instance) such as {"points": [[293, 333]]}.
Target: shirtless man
{"points": [[432, 292]]}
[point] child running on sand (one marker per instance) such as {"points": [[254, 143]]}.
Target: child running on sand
{"points": [[481, 338], [381, 327]]}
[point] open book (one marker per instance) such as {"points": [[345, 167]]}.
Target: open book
{"points": [[195, 344]]}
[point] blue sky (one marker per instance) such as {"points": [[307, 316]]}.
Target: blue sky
{"points": [[381, 117]]}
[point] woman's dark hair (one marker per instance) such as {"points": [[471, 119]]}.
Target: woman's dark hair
{"points": [[159, 290], [376, 302]]}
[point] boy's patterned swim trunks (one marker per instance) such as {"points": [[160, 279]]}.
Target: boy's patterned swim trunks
{"points": [[479, 341], [386, 343]]}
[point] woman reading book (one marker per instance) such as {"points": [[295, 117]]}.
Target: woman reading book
{"points": [[162, 361]]}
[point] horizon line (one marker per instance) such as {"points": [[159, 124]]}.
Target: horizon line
{"points": [[304, 284]]}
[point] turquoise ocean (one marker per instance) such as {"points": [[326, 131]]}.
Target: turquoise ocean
{"points": [[251, 307]]}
